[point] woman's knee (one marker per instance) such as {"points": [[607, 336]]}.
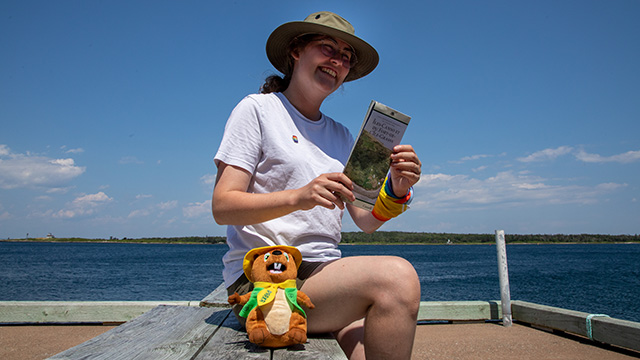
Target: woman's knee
{"points": [[400, 279]]}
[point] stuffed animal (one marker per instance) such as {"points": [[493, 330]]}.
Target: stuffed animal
{"points": [[274, 315]]}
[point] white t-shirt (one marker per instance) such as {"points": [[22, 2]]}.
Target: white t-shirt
{"points": [[272, 140]]}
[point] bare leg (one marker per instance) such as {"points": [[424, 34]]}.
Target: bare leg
{"points": [[351, 340], [382, 290]]}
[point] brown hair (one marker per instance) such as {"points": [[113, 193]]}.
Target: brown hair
{"points": [[277, 83]]}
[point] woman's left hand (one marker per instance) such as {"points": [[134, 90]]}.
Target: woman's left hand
{"points": [[405, 169]]}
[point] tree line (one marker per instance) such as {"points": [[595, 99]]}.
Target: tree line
{"points": [[393, 237], [397, 237]]}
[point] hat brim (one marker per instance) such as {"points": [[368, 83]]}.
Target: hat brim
{"points": [[280, 38], [249, 258]]}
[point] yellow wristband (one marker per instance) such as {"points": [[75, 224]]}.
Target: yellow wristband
{"points": [[388, 206]]}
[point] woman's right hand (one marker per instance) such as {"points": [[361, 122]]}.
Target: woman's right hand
{"points": [[231, 204], [326, 191]]}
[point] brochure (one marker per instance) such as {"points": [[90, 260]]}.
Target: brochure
{"points": [[369, 161]]}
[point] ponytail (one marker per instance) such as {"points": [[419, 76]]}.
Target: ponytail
{"points": [[275, 83]]}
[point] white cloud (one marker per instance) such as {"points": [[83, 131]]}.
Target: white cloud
{"points": [[208, 179], [610, 186], [92, 199], [27, 170], [59, 190], [527, 186], [143, 196], [551, 154], [75, 151], [470, 158], [439, 192], [138, 213], [547, 154], [629, 156], [168, 205], [157, 209], [84, 205], [197, 209]]}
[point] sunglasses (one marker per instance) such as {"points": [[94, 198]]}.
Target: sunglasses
{"points": [[349, 59]]}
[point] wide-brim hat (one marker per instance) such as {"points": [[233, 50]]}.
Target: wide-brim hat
{"points": [[249, 258], [327, 23]]}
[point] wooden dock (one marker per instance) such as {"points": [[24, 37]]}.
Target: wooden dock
{"points": [[180, 332], [207, 329]]}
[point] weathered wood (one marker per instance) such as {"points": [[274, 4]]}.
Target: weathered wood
{"points": [[231, 342], [166, 332], [179, 332], [47, 312], [604, 329], [617, 332], [317, 347], [459, 310], [217, 298], [503, 275], [114, 312]]}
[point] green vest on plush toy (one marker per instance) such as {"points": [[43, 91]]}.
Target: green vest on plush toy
{"points": [[274, 315]]}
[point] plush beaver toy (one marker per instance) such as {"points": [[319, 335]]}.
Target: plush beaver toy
{"points": [[274, 317]]}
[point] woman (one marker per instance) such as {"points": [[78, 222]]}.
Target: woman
{"points": [[280, 181]]}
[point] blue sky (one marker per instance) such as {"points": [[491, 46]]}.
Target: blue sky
{"points": [[525, 114]]}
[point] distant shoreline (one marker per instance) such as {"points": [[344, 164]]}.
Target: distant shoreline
{"points": [[378, 238]]}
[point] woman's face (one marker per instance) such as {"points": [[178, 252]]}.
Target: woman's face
{"points": [[323, 63]]}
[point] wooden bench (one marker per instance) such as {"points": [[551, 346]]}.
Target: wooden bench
{"points": [[182, 332]]}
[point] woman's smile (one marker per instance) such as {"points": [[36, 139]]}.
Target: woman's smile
{"points": [[329, 71]]}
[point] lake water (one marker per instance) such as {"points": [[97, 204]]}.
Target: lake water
{"points": [[591, 278]]}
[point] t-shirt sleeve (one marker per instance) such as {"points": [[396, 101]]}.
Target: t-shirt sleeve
{"points": [[241, 143]]}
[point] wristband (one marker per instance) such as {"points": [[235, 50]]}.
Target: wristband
{"points": [[388, 205]]}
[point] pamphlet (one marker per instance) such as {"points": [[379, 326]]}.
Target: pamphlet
{"points": [[370, 158]]}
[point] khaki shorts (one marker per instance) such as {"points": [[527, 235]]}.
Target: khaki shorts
{"points": [[243, 285]]}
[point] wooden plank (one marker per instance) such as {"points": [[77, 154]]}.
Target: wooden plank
{"points": [[324, 347], [48, 312], [604, 329], [166, 332], [617, 332], [459, 310], [231, 342], [550, 317], [217, 298]]}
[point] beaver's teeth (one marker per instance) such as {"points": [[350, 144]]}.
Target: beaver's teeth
{"points": [[277, 266]]}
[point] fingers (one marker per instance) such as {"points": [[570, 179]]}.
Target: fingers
{"points": [[339, 186], [406, 169], [322, 195], [326, 190], [342, 179], [405, 160]]}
